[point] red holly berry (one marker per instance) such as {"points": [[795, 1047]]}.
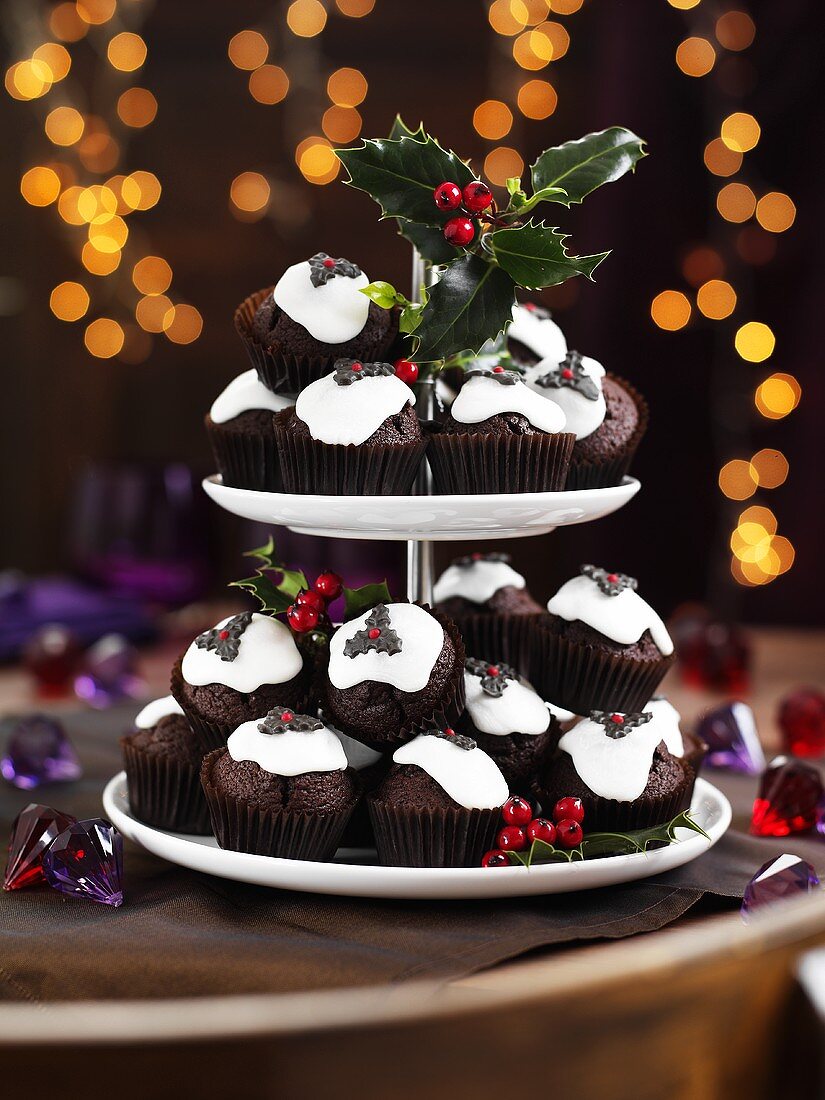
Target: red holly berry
{"points": [[516, 811], [287, 716], [612, 577], [310, 598], [406, 371], [569, 833], [329, 262], [568, 809], [477, 196], [302, 618], [459, 231], [512, 838], [375, 633], [329, 585], [568, 374], [542, 829], [447, 195], [495, 858], [223, 635]]}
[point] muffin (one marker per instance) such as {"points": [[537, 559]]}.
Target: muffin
{"points": [[162, 759], [487, 599], [280, 787], [440, 803], [508, 720], [239, 426], [599, 645], [533, 335], [618, 766], [606, 415], [241, 668], [393, 670], [499, 437], [315, 314], [370, 767], [687, 746], [351, 432]]}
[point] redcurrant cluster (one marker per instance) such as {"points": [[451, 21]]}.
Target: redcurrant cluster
{"points": [[521, 828], [475, 196], [310, 607]]}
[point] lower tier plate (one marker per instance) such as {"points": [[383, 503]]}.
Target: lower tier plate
{"points": [[437, 518], [355, 872]]}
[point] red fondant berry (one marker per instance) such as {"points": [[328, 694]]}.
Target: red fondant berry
{"points": [[224, 634], [406, 371], [477, 196], [569, 833], [329, 585], [459, 231], [516, 811], [287, 716], [493, 670], [498, 370], [567, 373], [447, 195], [512, 838], [450, 732], [612, 577], [495, 858], [617, 719], [302, 618], [375, 633], [542, 829], [311, 598], [568, 809], [357, 367]]}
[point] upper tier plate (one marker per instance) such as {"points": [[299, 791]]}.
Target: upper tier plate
{"points": [[440, 518]]}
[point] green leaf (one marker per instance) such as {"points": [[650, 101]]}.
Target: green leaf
{"points": [[544, 195], [272, 600], [292, 581], [273, 596], [602, 845], [471, 302], [513, 185], [359, 600], [265, 554], [534, 255], [582, 166], [401, 129], [429, 241], [384, 294]]}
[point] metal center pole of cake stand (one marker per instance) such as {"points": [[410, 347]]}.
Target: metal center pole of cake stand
{"points": [[420, 551]]}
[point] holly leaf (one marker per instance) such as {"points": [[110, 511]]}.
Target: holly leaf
{"points": [[429, 241], [401, 129], [583, 165], [265, 554], [359, 600], [274, 596], [471, 302], [273, 601], [534, 255]]}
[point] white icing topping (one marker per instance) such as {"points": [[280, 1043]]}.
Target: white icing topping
{"points": [[422, 639], [157, 709], [359, 756], [612, 767], [540, 334], [482, 397], [288, 753], [267, 654], [665, 722], [476, 582], [333, 313], [583, 415], [624, 618], [350, 414], [559, 713], [243, 394], [469, 776], [519, 709]]}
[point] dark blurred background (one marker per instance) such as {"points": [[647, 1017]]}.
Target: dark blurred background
{"points": [[211, 153]]}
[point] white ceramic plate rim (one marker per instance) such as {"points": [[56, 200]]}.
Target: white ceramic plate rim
{"points": [[359, 879]]}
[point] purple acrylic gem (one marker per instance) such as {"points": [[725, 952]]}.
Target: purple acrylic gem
{"points": [[109, 673], [38, 751], [787, 876], [730, 733], [86, 861]]}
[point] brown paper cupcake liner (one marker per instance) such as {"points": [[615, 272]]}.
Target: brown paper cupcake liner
{"points": [[695, 752], [593, 474], [494, 637], [245, 460], [358, 833], [242, 827], [582, 678], [472, 462], [310, 466], [165, 792], [450, 837]]}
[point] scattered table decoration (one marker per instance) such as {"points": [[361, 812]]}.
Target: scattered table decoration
{"points": [[733, 743], [780, 879], [802, 722], [789, 797], [39, 751], [34, 829]]}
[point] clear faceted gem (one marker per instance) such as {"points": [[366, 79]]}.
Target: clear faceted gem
{"points": [[802, 721], [52, 655], [785, 877], [788, 799], [86, 861], [733, 743], [711, 654], [109, 672], [39, 751], [32, 832]]}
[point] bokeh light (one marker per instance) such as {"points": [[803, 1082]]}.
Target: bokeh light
{"points": [[737, 479], [99, 263], [57, 57], [137, 107], [96, 12], [716, 299], [103, 338], [184, 325], [720, 160], [341, 124], [355, 9], [141, 190], [249, 192], [40, 186], [248, 49], [565, 7], [69, 301], [110, 236], [683, 5], [28, 79], [501, 163], [152, 275], [347, 87], [736, 202], [735, 30], [537, 99], [126, 52], [507, 18], [316, 160], [755, 341], [775, 212], [670, 310], [97, 204], [65, 22], [268, 84], [740, 132], [154, 312], [695, 56], [492, 119], [306, 18], [777, 396], [702, 263], [67, 206], [771, 468]]}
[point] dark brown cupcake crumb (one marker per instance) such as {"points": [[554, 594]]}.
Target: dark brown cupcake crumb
{"points": [[502, 424], [408, 786], [620, 422], [272, 327], [312, 792], [171, 736], [560, 780], [227, 707], [508, 600], [401, 427], [645, 649]]}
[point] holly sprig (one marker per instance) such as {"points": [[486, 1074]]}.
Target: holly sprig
{"points": [[471, 301]]}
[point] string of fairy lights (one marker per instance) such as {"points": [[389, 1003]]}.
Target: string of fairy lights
{"points": [[79, 172], [746, 236]]}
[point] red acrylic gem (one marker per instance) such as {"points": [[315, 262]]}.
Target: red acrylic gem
{"points": [[493, 671], [375, 633], [450, 732], [618, 719], [357, 366], [788, 796], [711, 654], [52, 655], [802, 721], [32, 832], [224, 634]]}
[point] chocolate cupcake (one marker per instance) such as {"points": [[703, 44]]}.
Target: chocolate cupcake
{"points": [[440, 803], [370, 767], [393, 670], [600, 645], [353, 432], [499, 437], [487, 599], [685, 745], [620, 769], [281, 787], [242, 668], [607, 416], [315, 314], [533, 335], [508, 720], [239, 426]]}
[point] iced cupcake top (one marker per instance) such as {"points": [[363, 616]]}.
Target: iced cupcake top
{"points": [[575, 384], [285, 743], [349, 405], [464, 771], [245, 394], [243, 652], [613, 753], [500, 703], [324, 296], [491, 391]]}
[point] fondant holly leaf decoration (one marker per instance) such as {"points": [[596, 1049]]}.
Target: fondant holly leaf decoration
{"points": [[581, 166], [359, 600], [534, 255], [472, 298], [274, 596]]}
